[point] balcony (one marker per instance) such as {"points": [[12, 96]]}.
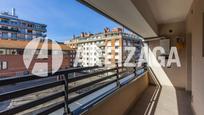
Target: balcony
{"points": [[10, 30], [17, 24], [9, 23], [123, 91], [145, 96]]}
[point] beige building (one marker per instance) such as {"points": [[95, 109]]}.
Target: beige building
{"points": [[114, 40]]}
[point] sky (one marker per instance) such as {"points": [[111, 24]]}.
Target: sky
{"points": [[64, 18]]}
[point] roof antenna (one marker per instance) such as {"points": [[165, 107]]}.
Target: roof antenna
{"points": [[13, 12]]}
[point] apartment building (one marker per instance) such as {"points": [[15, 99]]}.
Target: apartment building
{"points": [[11, 58], [93, 47], [12, 27], [73, 46]]}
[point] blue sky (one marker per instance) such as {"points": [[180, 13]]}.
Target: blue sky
{"points": [[64, 18]]}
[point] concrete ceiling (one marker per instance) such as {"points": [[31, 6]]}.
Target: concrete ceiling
{"points": [[169, 11], [125, 13], [142, 16]]}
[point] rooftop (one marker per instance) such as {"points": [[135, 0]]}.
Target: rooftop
{"points": [[107, 32], [12, 15], [17, 44]]}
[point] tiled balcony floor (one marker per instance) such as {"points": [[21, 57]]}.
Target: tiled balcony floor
{"points": [[163, 101]]}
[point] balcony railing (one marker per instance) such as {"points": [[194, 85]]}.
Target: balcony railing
{"points": [[110, 76], [20, 25], [11, 30]]}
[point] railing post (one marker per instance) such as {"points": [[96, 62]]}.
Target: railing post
{"points": [[145, 66], [66, 107], [122, 66], [117, 75], [135, 68]]}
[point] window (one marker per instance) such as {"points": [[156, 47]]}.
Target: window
{"points": [[43, 27], [117, 42], [38, 26], [14, 28], [116, 47], [109, 43], [30, 25], [2, 52], [13, 35], [129, 43], [29, 37], [11, 52], [4, 20], [20, 52], [21, 36], [22, 30], [30, 31], [5, 34], [14, 22], [4, 27], [3, 65], [24, 24]]}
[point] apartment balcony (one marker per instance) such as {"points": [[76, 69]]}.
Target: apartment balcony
{"points": [[145, 96], [113, 91], [9, 23], [9, 37], [20, 25], [10, 30]]}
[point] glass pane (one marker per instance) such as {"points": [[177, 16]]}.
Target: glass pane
{"points": [[4, 65]]}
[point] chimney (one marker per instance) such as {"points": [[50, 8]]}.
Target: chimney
{"points": [[106, 30], [118, 30], [82, 34], [13, 12]]}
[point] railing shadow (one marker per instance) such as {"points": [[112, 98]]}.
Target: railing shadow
{"points": [[148, 101]]}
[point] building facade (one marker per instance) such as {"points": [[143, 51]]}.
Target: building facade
{"points": [[11, 58], [111, 46], [11, 27]]}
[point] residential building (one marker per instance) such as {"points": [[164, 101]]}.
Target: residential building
{"points": [[115, 41], [11, 58], [12, 27], [73, 45]]}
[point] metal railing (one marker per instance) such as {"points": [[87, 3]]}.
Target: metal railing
{"points": [[114, 75]]}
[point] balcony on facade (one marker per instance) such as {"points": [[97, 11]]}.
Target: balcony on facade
{"points": [[12, 24]]}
